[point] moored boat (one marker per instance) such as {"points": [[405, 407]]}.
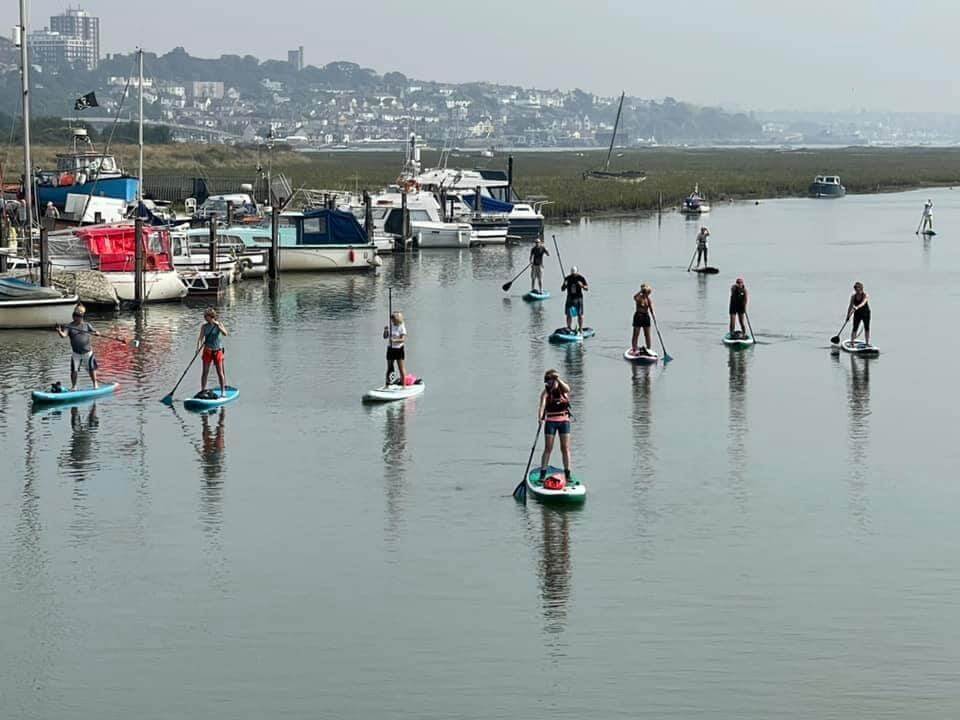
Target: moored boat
{"points": [[695, 203], [827, 186], [24, 305]]}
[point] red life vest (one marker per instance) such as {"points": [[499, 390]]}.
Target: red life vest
{"points": [[558, 406]]}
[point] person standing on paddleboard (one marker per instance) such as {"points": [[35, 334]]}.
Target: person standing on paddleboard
{"points": [[702, 245], [536, 266], [641, 319], [859, 308], [738, 308], [396, 336], [554, 412], [926, 221], [574, 284], [79, 332], [210, 342]]}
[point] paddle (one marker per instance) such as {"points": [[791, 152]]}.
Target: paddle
{"points": [[559, 259], [747, 315], [692, 257], [666, 355], [836, 338], [506, 285], [520, 491], [131, 343], [168, 398]]}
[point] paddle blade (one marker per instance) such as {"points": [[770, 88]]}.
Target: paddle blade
{"points": [[506, 285], [835, 340], [667, 358], [167, 400], [520, 491]]}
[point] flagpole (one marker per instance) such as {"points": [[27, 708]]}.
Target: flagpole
{"points": [[140, 132], [27, 162]]}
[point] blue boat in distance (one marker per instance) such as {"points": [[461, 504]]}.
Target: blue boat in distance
{"points": [[84, 171], [827, 186]]}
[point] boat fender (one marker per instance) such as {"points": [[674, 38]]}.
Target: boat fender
{"points": [[351, 255], [410, 379]]}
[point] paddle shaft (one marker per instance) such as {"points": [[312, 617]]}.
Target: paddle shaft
{"points": [[195, 356], [692, 258], [506, 286], [750, 325], [533, 449], [106, 337], [836, 338], [559, 259], [666, 355]]}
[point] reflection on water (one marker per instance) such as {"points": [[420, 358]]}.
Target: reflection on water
{"points": [[79, 457], [703, 307], [644, 451], [858, 404], [554, 573], [737, 424], [213, 446], [395, 457], [212, 451]]}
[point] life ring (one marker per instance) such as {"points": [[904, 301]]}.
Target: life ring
{"points": [[411, 186]]}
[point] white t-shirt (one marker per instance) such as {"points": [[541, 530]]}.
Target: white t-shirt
{"points": [[397, 333], [928, 209], [702, 238]]}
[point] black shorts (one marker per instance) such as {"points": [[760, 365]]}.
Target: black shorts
{"points": [[395, 354], [862, 316], [641, 319], [737, 307], [574, 303]]}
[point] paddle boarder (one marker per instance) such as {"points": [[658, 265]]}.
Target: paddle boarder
{"points": [[554, 411], [641, 319], [738, 308], [574, 284], [926, 220], [210, 341], [537, 253], [396, 336], [859, 308], [702, 245], [79, 332]]}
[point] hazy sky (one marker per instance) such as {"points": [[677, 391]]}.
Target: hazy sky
{"points": [[840, 55]]}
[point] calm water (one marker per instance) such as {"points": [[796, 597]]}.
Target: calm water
{"points": [[770, 533]]}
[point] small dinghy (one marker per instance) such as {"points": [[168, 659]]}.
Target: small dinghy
{"points": [[563, 335], [641, 358]]}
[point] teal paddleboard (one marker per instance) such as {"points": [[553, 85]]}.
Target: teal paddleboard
{"points": [[738, 341], [68, 396], [200, 404], [554, 487], [534, 296], [562, 335]]}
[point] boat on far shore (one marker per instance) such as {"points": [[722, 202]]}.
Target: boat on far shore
{"points": [[695, 203], [827, 186]]}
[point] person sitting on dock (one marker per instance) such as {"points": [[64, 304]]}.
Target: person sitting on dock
{"points": [[926, 221], [641, 319], [702, 248], [396, 336], [209, 340], [738, 308], [79, 332], [574, 284], [859, 308], [536, 266]]}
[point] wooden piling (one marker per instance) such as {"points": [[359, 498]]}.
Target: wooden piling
{"points": [[138, 284], [45, 252], [274, 242], [214, 250], [405, 213]]}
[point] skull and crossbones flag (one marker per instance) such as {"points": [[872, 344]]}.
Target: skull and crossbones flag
{"points": [[87, 101]]}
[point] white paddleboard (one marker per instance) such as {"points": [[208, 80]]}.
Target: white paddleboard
{"points": [[628, 354], [389, 393], [859, 348]]}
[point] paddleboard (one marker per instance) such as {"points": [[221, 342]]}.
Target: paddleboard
{"points": [[641, 358], [534, 296], [562, 335], [389, 393], [573, 491], [929, 232], [707, 270], [859, 348], [45, 396], [737, 342], [200, 404]]}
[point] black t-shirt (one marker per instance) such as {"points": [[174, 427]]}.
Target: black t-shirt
{"points": [[573, 282], [536, 254]]}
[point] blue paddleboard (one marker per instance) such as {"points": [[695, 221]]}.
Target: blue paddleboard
{"points": [[562, 335], [67, 396], [201, 404], [534, 296]]}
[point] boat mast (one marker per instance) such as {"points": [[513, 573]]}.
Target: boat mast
{"points": [[140, 131], [25, 87], [616, 124]]}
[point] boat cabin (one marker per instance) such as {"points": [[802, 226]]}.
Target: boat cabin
{"points": [[827, 180], [329, 227]]}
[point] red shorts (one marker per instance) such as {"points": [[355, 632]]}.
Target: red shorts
{"points": [[213, 356]]}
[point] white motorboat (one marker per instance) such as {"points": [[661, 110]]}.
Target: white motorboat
{"points": [[695, 203], [24, 305], [427, 225]]}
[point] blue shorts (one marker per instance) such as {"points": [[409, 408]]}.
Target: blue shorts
{"points": [[553, 427]]}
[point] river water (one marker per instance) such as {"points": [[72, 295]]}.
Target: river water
{"points": [[768, 533]]}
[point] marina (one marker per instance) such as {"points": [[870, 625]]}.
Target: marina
{"points": [[705, 548]]}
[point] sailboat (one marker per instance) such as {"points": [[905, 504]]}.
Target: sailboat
{"points": [[632, 176], [24, 304]]}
